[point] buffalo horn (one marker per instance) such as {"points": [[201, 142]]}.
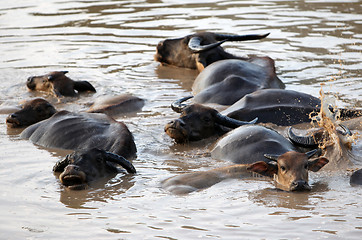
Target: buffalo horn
{"points": [[111, 157], [272, 157], [177, 105], [346, 130], [60, 165], [308, 141], [229, 37], [196, 47], [232, 123]]}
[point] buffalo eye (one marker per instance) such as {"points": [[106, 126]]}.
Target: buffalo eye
{"points": [[306, 166], [282, 168]]}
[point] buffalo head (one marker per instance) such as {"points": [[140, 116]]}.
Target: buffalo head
{"points": [[198, 50], [289, 170], [81, 167], [58, 84], [198, 122], [32, 112]]}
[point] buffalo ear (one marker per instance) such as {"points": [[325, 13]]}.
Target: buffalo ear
{"points": [[263, 168], [200, 63], [83, 86], [61, 164], [316, 164]]}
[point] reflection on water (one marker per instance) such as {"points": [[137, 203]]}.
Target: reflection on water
{"points": [[292, 200], [102, 190], [111, 44]]}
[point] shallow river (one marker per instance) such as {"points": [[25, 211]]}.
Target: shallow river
{"points": [[111, 44]]}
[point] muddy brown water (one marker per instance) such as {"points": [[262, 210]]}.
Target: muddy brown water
{"points": [[111, 44]]}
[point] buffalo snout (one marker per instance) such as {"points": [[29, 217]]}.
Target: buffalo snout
{"points": [[13, 121], [176, 130], [73, 178], [299, 185], [30, 83]]}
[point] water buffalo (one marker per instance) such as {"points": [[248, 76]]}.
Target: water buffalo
{"points": [[32, 111], [197, 51], [82, 167], [38, 109], [289, 170], [225, 82], [74, 131], [198, 122], [58, 84], [277, 106]]}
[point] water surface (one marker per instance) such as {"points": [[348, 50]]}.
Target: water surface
{"points": [[111, 44]]}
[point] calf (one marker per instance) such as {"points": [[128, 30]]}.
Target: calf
{"points": [[80, 168], [58, 84], [197, 51], [289, 170]]}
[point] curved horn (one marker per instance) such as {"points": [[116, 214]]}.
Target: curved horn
{"points": [[196, 47], [230, 122], [308, 141], [111, 157], [60, 165], [346, 130], [272, 157], [229, 37], [312, 152], [177, 105]]}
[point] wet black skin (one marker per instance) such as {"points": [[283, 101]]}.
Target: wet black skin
{"points": [[69, 130], [227, 81], [356, 178], [281, 107]]}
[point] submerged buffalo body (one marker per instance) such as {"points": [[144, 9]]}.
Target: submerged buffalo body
{"points": [[32, 112], [289, 171], [281, 107], [75, 131], [255, 149], [197, 51], [58, 84], [225, 78], [80, 168], [278, 106], [248, 144], [225, 82]]}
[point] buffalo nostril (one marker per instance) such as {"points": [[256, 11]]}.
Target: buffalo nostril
{"points": [[300, 185]]}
